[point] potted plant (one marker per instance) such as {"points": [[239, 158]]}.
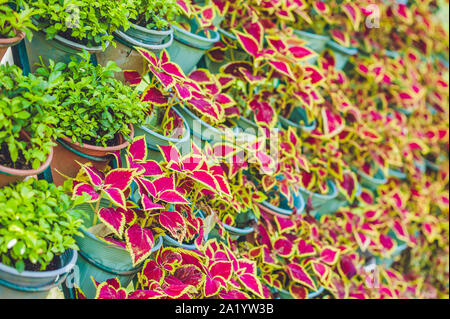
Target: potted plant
{"points": [[95, 113], [26, 132], [151, 29], [65, 28], [14, 26], [192, 36], [38, 250], [214, 272]]}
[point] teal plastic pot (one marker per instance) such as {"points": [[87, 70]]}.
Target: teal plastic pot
{"points": [[396, 173], [341, 54], [316, 42], [189, 47], [200, 128], [392, 54], [243, 218], [102, 261], [153, 139], [432, 166], [284, 210], [58, 49], [421, 165], [372, 182], [35, 284], [333, 205], [298, 116], [125, 54], [320, 201]]}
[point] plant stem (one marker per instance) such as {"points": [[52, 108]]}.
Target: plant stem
{"points": [[97, 206]]}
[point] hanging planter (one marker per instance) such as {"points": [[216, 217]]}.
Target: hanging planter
{"points": [[319, 201], [283, 210], [397, 173], [189, 47], [35, 284], [297, 117], [154, 139], [68, 153], [103, 260], [341, 54], [124, 54]]}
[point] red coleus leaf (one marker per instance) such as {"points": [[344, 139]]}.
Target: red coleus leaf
{"points": [[132, 77], [314, 75], [233, 294], [211, 287], [107, 291], [172, 197], [146, 294], [119, 178], [297, 291], [353, 13], [263, 111], [302, 52], [152, 272], [248, 43], [138, 149], [298, 274], [189, 275], [221, 268], [284, 224], [282, 67], [329, 255], [82, 188], [114, 219], [348, 185], [95, 176], [387, 242], [183, 92], [139, 243], [174, 223], [251, 283], [116, 196], [333, 124], [148, 204], [320, 270], [283, 247], [340, 37], [154, 96], [305, 249]]}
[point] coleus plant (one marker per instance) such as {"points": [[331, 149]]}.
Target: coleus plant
{"points": [[214, 272]]}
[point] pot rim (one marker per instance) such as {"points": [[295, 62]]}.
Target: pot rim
{"points": [[312, 35], [378, 181], [206, 40], [334, 191], [108, 149], [341, 48], [307, 128], [43, 274], [28, 172], [9, 42], [183, 139], [150, 31]]}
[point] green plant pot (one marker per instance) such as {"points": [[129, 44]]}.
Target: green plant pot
{"points": [[392, 54], [316, 42], [396, 173], [153, 139], [202, 130], [341, 54], [298, 116], [125, 54], [421, 165], [188, 47], [102, 261], [58, 49], [320, 202], [35, 284], [283, 209], [372, 182], [334, 204]]}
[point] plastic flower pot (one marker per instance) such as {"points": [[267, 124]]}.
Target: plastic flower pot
{"points": [[200, 129], [319, 201], [236, 232], [298, 116], [125, 54], [396, 173], [35, 284], [169, 241], [334, 204], [67, 153], [421, 165], [6, 43], [154, 139], [102, 261], [58, 49], [189, 47], [341, 54], [392, 54], [316, 42], [283, 210], [372, 182], [11, 175], [230, 54]]}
